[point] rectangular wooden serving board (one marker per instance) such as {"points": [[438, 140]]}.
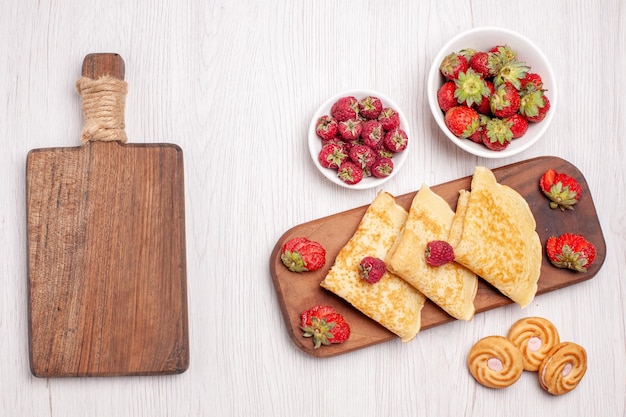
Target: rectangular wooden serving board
{"points": [[107, 292], [298, 292]]}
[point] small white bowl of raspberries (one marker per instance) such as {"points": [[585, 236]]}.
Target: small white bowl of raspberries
{"points": [[492, 92], [359, 139]]}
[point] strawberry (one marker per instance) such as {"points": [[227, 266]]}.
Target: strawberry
{"points": [[497, 85], [571, 251], [350, 173], [396, 140], [372, 269], [534, 106], [319, 311], [480, 133], [362, 155], [462, 121], [445, 96], [542, 111], [452, 65], [468, 53], [532, 82], [505, 101], [512, 72], [499, 134], [494, 144], [470, 88], [479, 62], [326, 127], [350, 129], [438, 252], [504, 53], [300, 254], [382, 167], [324, 325], [562, 190], [485, 63], [370, 107], [484, 107], [519, 125], [389, 118], [372, 133], [331, 155], [345, 108]]}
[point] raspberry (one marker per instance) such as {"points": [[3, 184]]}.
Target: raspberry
{"points": [[372, 133], [439, 252], [370, 107], [396, 140], [372, 269], [350, 173], [362, 155], [350, 129], [384, 153], [331, 156], [382, 167], [345, 108], [362, 132], [326, 127], [389, 118]]}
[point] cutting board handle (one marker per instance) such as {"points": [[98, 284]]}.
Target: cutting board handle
{"points": [[103, 90], [103, 64]]}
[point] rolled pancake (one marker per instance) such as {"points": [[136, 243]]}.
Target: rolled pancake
{"points": [[392, 302], [493, 234], [451, 286]]}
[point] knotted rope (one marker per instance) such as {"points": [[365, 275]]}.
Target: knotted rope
{"points": [[104, 100]]}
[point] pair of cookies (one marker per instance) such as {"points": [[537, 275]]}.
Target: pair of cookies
{"points": [[532, 344]]}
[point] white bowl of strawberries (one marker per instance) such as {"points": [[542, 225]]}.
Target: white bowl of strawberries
{"points": [[492, 92], [359, 139]]}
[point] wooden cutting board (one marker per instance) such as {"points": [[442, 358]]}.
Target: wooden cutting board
{"points": [[298, 292], [106, 255]]}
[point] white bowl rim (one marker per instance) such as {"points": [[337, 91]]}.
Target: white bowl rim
{"points": [[518, 145], [315, 142]]}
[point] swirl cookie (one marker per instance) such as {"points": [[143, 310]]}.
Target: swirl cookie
{"points": [[563, 368], [535, 337], [495, 362]]}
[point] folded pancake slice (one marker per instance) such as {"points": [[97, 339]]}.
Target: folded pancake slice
{"points": [[451, 286], [493, 234], [392, 302]]}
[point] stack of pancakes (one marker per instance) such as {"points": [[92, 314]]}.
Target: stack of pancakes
{"points": [[493, 236]]}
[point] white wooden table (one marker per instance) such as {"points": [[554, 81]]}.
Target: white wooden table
{"points": [[235, 85]]}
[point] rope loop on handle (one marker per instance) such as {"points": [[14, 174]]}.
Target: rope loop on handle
{"points": [[103, 106]]}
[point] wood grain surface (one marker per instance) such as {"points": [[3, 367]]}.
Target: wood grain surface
{"points": [[235, 84], [106, 256], [298, 292]]}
